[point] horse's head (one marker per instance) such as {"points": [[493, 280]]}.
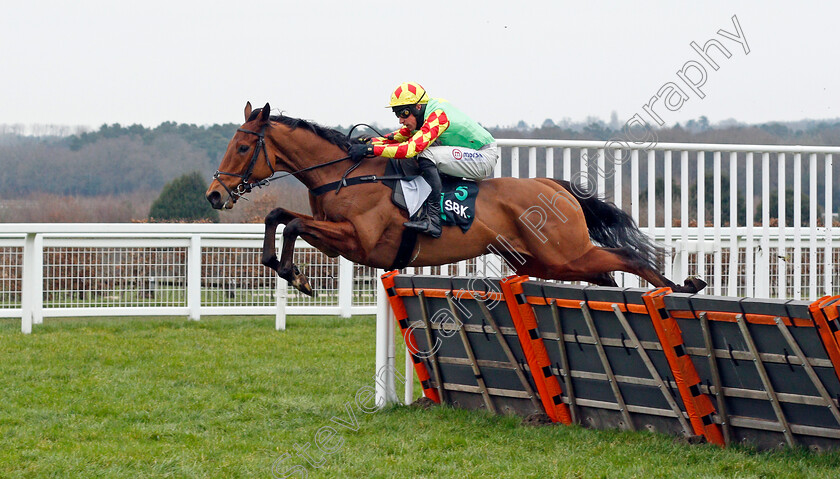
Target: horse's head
{"points": [[246, 162]]}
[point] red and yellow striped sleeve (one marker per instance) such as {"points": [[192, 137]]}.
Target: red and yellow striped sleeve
{"points": [[398, 136], [436, 123]]}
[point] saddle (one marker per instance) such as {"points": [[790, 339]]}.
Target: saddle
{"points": [[409, 192]]}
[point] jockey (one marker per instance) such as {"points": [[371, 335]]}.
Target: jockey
{"points": [[442, 138]]}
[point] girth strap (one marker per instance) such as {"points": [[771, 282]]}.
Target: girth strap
{"points": [[407, 244]]}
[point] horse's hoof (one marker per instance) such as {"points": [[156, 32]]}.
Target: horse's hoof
{"points": [[303, 288], [694, 285], [301, 283], [306, 289]]}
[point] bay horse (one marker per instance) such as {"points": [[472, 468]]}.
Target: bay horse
{"points": [[541, 227]]}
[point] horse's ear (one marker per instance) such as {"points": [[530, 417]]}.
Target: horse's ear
{"points": [[266, 111], [247, 111]]}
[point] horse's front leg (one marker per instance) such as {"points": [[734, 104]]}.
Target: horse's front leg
{"points": [[339, 237], [277, 217], [286, 268], [281, 216]]}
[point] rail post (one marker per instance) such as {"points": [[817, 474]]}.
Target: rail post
{"points": [[30, 277], [385, 351], [194, 278], [280, 314], [345, 286], [38, 281]]}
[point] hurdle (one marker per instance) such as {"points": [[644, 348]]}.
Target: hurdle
{"points": [[722, 370]]}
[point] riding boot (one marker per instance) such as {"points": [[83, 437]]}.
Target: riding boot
{"points": [[429, 220]]}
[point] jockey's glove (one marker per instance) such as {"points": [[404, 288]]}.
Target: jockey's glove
{"points": [[358, 152], [363, 139]]}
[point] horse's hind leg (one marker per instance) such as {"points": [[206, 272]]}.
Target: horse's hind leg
{"points": [[593, 267], [596, 264], [604, 279], [599, 261], [578, 270], [641, 269]]}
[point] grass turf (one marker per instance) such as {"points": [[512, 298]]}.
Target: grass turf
{"points": [[230, 397]]}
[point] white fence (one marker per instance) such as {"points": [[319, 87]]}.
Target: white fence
{"points": [[714, 206], [718, 207], [55, 270]]}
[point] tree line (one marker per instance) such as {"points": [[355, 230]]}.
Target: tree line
{"points": [[117, 161]]}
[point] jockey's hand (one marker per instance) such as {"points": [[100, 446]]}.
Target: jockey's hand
{"points": [[363, 138], [358, 152]]}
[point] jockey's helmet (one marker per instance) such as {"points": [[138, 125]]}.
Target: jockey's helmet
{"points": [[408, 93]]}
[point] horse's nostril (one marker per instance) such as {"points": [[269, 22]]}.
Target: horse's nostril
{"points": [[215, 199]]}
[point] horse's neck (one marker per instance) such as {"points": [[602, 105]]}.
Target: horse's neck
{"points": [[304, 149]]}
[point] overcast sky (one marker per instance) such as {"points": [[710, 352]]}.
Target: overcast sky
{"points": [[93, 62]]}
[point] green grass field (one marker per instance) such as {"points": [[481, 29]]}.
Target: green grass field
{"points": [[231, 397]]}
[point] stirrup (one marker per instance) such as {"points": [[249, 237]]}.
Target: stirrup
{"points": [[426, 226], [420, 224]]}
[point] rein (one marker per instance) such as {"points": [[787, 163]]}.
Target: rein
{"points": [[246, 186]]}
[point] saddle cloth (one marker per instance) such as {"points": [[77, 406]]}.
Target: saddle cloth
{"points": [[410, 193]]}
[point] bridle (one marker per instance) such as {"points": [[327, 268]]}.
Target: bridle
{"points": [[246, 186]]}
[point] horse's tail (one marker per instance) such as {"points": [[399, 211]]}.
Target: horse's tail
{"points": [[609, 226]]}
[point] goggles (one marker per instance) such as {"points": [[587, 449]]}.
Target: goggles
{"points": [[403, 111]]}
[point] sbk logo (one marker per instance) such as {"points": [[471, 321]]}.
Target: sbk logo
{"points": [[455, 208]]}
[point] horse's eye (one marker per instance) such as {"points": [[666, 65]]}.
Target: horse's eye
{"points": [[244, 148]]}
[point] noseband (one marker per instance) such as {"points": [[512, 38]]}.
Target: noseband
{"points": [[246, 186]]}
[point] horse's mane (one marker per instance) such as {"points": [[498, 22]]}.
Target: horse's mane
{"points": [[333, 136]]}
